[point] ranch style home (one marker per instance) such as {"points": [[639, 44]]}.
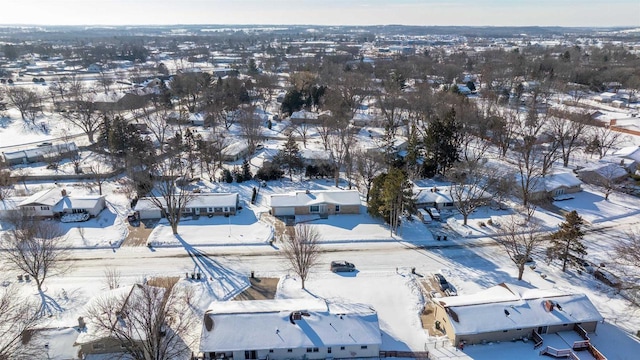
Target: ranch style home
{"points": [[508, 312], [56, 202], [289, 329], [321, 202], [200, 204]]}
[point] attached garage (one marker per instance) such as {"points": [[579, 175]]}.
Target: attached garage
{"points": [[284, 211]]}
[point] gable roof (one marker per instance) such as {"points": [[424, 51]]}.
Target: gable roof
{"points": [[268, 324], [314, 197], [86, 202], [48, 197], [507, 306]]}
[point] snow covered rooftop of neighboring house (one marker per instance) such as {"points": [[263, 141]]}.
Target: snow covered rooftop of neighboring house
{"points": [[304, 198], [335, 325], [631, 152], [197, 200], [507, 306], [304, 114], [607, 170], [558, 180], [86, 202], [47, 197]]}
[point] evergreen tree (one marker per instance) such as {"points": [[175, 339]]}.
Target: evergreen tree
{"points": [[442, 141], [246, 170], [292, 102], [289, 156], [390, 194], [566, 243]]}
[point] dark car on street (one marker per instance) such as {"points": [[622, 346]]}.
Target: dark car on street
{"points": [[342, 266]]}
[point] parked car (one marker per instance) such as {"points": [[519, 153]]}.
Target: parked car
{"points": [[424, 216], [443, 283], [588, 267], [46, 143], [342, 266], [435, 214]]}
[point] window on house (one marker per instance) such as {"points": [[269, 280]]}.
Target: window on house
{"points": [[341, 347], [315, 349], [337, 208], [329, 350], [363, 347], [289, 350], [250, 354], [218, 209], [210, 210], [270, 350], [44, 208], [314, 208], [226, 209], [97, 346], [309, 349]]}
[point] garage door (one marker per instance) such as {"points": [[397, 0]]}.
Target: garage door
{"points": [[285, 211]]}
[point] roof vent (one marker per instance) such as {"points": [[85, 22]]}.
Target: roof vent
{"points": [[506, 312], [307, 191], [296, 315], [208, 322]]}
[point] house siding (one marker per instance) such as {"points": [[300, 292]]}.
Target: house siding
{"points": [[350, 351]]}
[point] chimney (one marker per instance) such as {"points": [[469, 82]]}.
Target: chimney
{"points": [[549, 305], [64, 192], [81, 323]]}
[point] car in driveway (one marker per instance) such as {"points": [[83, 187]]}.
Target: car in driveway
{"points": [[442, 282], [342, 266]]}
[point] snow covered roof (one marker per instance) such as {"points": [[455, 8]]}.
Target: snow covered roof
{"points": [[555, 181], [508, 306], [48, 197], [607, 170], [441, 196], [196, 201], [313, 197], [631, 152], [268, 324], [304, 114], [87, 202]]}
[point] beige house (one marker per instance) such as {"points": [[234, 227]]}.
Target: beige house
{"points": [[508, 312], [320, 202], [554, 186]]}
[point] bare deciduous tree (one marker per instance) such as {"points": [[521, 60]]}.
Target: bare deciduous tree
{"points": [[568, 130], [627, 255], [520, 239], [84, 113], [34, 246], [469, 187], [603, 139], [112, 278], [170, 198], [250, 127], [368, 165], [301, 249], [24, 100], [152, 323], [18, 317]]}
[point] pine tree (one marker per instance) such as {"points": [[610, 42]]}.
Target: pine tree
{"points": [[442, 141], [289, 156], [566, 243], [246, 170], [390, 194]]}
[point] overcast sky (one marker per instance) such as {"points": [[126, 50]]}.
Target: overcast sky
{"points": [[323, 12]]}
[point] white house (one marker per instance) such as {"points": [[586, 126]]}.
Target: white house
{"points": [[200, 204], [56, 202], [322, 202], [289, 329]]}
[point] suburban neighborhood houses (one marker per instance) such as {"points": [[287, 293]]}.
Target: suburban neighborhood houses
{"points": [[317, 192]]}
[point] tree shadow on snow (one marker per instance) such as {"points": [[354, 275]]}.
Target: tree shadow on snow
{"points": [[214, 274], [49, 306]]}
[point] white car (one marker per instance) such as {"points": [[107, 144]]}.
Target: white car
{"points": [[434, 213]]}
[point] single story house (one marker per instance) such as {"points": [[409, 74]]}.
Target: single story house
{"points": [[289, 329], [91, 205], [551, 186], [40, 153], [506, 312], [96, 339], [438, 197], [199, 204], [604, 174], [322, 202], [55, 202], [235, 151]]}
